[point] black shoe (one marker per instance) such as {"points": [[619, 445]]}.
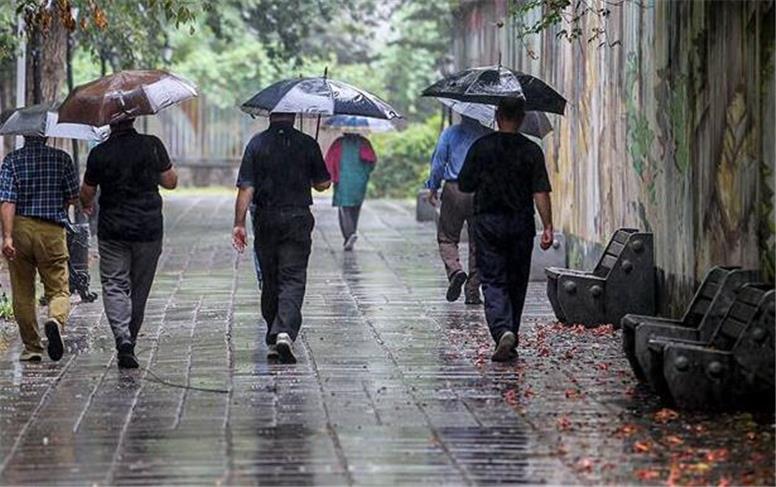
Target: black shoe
{"points": [[284, 346], [457, 280], [56, 347], [126, 356], [506, 345]]}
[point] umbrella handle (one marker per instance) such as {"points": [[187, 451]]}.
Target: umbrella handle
{"points": [[318, 124]]}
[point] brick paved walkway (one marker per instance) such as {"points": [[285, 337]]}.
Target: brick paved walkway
{"points": [[394, 384]]}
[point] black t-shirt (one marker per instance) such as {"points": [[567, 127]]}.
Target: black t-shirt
{"points": [[281, 163], [504, 170], [127, 167]]}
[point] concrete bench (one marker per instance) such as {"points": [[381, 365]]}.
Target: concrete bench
{"points": [[732, 370], [622, 282], [645, 366], [718, 278]]}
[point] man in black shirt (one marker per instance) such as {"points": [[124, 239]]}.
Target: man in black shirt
{"points": [[278, 168], [506, 172], [128, 168]]}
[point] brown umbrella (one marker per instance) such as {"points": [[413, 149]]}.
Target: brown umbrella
{"points": [[124, 95]]}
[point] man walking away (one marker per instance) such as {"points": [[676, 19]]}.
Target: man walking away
{"points": [[350, 161], [129, 168], [37, 185], [507, 174], [457, 207], [278, 168]]}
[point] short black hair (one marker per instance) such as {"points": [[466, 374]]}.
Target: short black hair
{"points": [[512, 108]]}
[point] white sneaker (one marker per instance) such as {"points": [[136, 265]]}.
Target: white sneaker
{"points": [[284, 346], [27, 356]]}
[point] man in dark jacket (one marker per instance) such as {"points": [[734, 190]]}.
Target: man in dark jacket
{"points": [[129, 168], [506, 172], [278, 168]]}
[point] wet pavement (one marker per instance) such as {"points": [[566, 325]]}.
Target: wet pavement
{"points": [[394, 385]]}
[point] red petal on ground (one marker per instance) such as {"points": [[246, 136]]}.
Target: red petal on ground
{"points": [[718, 455], [673, 440], [665, 415], [585, 465], [724, 482], [564, 423], [647, 474], [642, 446]]}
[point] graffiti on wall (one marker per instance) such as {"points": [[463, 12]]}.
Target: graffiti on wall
{"points": [[663, 131]]}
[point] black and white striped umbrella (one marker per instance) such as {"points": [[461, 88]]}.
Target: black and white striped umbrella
{"points": [[318, 96]]}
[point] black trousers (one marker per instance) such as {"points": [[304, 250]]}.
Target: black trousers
{"points": [[282, 240], [504, 246]]}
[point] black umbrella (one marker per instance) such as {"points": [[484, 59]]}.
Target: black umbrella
{"points": [[489, 85], [318, 96]]}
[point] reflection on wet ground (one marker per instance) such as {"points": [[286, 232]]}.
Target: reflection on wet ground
{"points": [[394, 385]]}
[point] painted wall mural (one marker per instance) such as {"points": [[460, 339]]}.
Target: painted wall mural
{"points": [[670, 130]]}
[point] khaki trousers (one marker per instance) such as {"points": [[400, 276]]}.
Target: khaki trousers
{"points": [[40, 246], [457, 209]]}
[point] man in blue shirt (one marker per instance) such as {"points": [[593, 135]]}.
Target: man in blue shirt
{"points": [[37, 185], [457, 207]]}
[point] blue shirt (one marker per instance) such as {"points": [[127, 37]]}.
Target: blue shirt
{"points": [[40, 180], [451, 149]]}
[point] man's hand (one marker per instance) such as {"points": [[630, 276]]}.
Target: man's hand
{"points": [[8, 249], [88, 210], [432, 197], [239, 238], [548, 236]]}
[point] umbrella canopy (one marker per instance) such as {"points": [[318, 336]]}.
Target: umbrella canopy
{"points": [[490, 85], [124, 95], [352, 123], [318, 96], [536, 124], [42, 121]]}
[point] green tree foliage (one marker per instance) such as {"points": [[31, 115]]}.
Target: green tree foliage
{"points": [[403, 160]]}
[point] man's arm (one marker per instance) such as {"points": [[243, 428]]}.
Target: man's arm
{"points": [[169, 179], [7, 212], [437, 171], [87, 195], [544, 205], [243, 201], [321, 179], [541, 187]]}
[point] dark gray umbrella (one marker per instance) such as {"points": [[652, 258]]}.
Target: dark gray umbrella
{"points": [[491, 84], [318, 96]]}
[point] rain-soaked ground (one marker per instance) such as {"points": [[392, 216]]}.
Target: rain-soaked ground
{"points": [[394, 385]]}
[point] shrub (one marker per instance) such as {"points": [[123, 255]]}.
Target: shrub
{"points": [[403, 160]]}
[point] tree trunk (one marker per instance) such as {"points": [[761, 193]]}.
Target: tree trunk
{"points": [[46, 59]]}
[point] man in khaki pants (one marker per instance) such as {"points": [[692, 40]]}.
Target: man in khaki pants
{"points": [[457, 207], [37, 185]]}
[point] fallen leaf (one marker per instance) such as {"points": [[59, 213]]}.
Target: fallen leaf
{"points": [[673, 440], [718, 455], [585, 465], [564, 423], [665, 415], [642, 447], [647, 474]]}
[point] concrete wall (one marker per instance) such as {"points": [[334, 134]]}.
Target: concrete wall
{"points": [[671, 130]]}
